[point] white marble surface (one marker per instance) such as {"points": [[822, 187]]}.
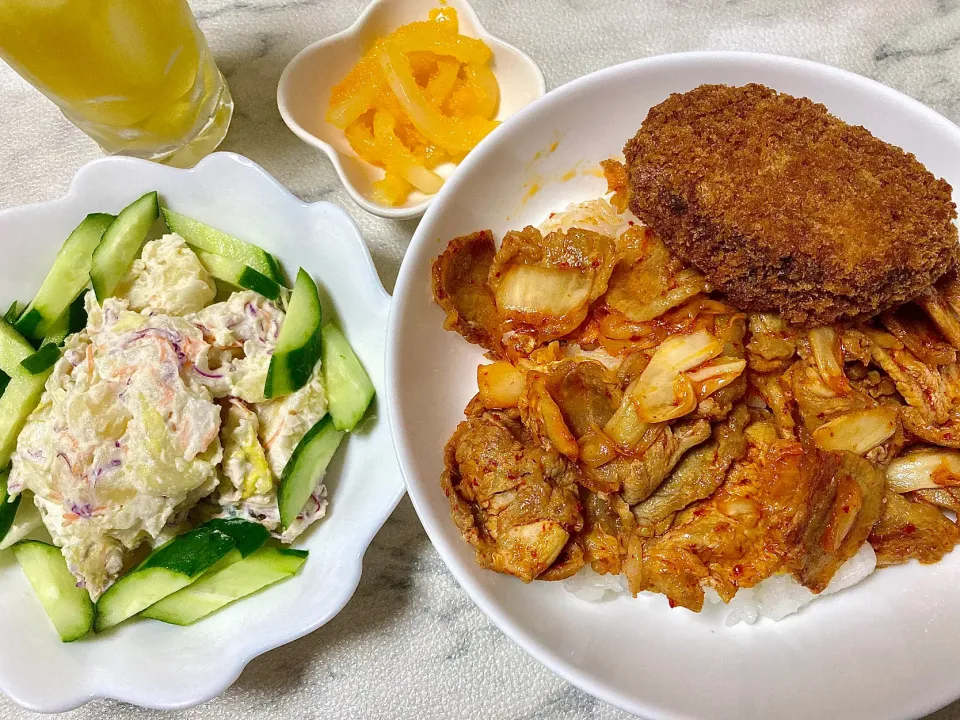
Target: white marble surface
{"points": [[410, 644]]}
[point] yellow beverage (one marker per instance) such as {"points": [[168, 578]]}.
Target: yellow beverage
{"points": [[135, 75]]}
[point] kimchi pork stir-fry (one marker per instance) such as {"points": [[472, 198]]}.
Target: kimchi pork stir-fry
{"points": [[631, 421]]}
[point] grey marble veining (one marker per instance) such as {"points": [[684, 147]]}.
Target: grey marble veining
{"points": [[411, 644]]}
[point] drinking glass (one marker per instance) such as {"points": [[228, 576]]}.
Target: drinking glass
{"points": [[135, 75]]}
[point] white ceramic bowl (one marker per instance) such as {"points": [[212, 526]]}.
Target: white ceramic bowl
{"points": [[889, 648], [303, 94], [148, 663]]}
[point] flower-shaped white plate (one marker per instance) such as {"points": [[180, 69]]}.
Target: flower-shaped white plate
{"points": [[161, 666], [303, 94], [886, 649]]}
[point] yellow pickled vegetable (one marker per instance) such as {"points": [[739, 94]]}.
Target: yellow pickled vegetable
{"points": [[420, 96], [441, 82], [454, 134], [396, 158], [477, 94], [447, 17], [360, 137], [391, 189]]}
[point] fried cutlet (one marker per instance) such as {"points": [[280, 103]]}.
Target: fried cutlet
{"points": [[786, 208]]}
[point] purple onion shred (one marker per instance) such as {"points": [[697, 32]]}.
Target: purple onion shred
{"points": [[113, 464], [84, 511], [211, 375], [66, 460]]}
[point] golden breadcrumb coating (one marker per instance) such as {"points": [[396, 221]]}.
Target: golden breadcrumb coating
{"points": [[786, 208]]}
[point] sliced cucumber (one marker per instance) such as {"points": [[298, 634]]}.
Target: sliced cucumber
{"points": [[8, 508], [57, 333], [44, 358], [14, 348], [49, 353], [212, 240], [18, 401], [29, 322], [12, 313], [248, 537], [59, 329], [120, 244], [276, 270], [77, 317], [349, 390], [213, 591], [26, 521], [298, 347], [236, 273], [67, 606], [67, 278], [169, 568], [71, 320], [306, 468]]}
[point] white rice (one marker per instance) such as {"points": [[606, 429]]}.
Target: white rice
{"points": [[775, 598], [591, 587]]}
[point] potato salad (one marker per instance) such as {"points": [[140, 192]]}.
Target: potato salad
{"points": [[167, 406], [156, 405]]}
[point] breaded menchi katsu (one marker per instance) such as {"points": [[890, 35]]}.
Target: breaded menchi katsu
{"points": [[785, 208]]}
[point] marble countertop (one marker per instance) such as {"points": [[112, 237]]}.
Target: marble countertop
{"points": [[411, 644]]}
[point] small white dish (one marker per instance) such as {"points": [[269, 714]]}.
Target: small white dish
{"points": [[886, 650], [303, 94], [161, 666]]}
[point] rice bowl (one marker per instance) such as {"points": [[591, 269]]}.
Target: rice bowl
{"points": [[586, 642]]}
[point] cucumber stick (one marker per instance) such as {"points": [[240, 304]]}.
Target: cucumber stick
{"points": [[43, 359], [67, 606], [349, 390], [17, 402], [14, 348], [12, 313], [49, 353], [120, 244], [67, 278], [215, 590], [59, 328], [175, 565], [247, 536], [169, 568], [77, 316], [22, 389], [211, 240], [298, 347], [276, 270], [236, 273], [8, 509], [306, 468]]}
